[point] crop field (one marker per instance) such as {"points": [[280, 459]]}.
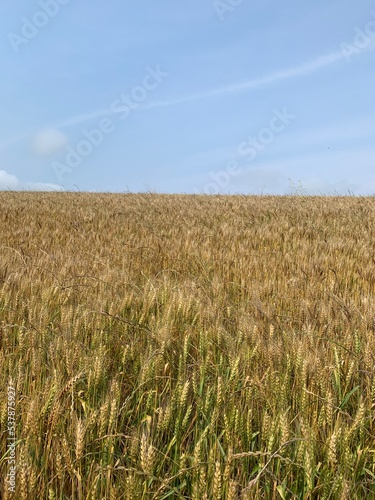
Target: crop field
{"points": [[186, 347]]}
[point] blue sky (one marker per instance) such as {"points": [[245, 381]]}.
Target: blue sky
{"points": [[169, 96]]}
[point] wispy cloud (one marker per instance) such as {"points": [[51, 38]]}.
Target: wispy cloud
{"points": [[295, 71], [271, 79], [83, 118]]}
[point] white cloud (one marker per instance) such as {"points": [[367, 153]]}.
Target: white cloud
{"points": [[12, 183], [8, 181], [49, 141], [41, 186]]}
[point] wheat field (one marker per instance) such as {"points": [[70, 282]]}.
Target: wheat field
{"points": [[187, 346]]}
